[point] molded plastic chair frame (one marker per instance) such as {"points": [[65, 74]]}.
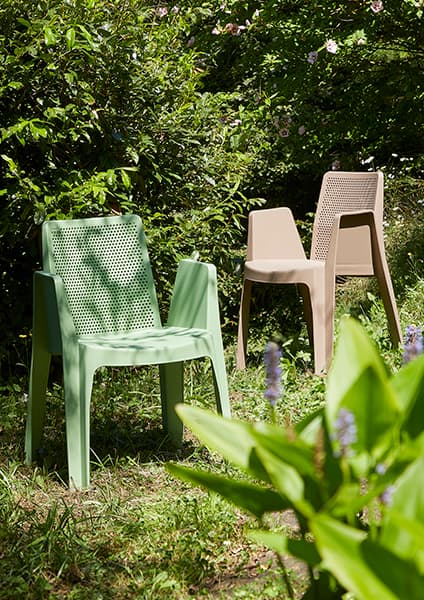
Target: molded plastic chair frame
{"points": [[192, 331], [316, 277]]}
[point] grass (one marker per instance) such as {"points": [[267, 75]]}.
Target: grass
{"points": [[137, 532]]}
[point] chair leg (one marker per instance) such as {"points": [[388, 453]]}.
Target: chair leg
{"points": [[389, 301], [322, 327], [78, 385], [243, 324], [40, 366], [307, 311], [172, 393], [221, 385]]}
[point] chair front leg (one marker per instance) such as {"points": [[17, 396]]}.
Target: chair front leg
{"points": [[78, 383], [172, 393]]}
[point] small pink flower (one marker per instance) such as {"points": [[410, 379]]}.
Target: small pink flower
{"points": [[376, 6], [175, 10], [161, 12], [331, 46], [301, 130], [312, 57], [284, 132], [215, 31]]}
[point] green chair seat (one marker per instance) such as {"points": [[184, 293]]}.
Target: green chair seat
{"points": [[95, 305]]}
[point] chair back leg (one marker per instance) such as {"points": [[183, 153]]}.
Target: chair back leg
{"points": [[39, 374], [243, 324], [221, 384]]}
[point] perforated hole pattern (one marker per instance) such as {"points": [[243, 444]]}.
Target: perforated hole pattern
{"points": [[342, 194], [105, 277]]}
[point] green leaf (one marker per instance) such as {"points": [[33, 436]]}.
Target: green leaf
{"points": [[358, 382], [253, 498], [294, 452], [408, 387], [286, 480], [50, 38], [404, 518], [70, 38], [354, 354], [282, 544], [364, 568], [230, 438]]}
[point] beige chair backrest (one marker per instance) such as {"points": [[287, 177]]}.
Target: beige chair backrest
{"points": [[272, 234], [343, 192]]}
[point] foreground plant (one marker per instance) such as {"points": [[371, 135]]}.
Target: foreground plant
{"points": [[352, 473]]}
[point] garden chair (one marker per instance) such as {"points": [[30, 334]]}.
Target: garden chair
{"points": [[95, 304], [347, 239]]}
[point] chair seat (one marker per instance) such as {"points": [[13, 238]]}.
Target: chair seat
{"points": [[281, 270], [147, 346]]}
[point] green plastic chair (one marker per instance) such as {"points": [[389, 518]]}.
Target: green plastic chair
{"points": [[95, 304]]}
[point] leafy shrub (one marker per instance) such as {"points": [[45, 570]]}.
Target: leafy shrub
{"points": [[101, 111], [352, 474]]}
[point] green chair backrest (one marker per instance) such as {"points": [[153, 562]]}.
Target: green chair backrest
{"points": [[106, 271]]}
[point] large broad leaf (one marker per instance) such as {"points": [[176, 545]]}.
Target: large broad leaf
{"points": [[230, 438], [354, 354], [363, 567], [376, 413], [403, 525], [252, 498], [294, 452], [286, 480], [358, 382], [408, 387], [282, 544]]}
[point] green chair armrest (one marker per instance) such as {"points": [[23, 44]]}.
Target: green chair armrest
{"points": [[194, 301], [51, 311]]}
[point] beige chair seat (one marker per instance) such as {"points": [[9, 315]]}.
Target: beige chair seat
{"points": [[283, 271], [347, 239]]}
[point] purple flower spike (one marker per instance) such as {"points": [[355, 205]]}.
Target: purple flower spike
{"points": [[413, 345], [345, 431], [272, 359], [386, 497]]}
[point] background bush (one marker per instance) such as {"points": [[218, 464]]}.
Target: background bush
{"points": [[190, 114]]}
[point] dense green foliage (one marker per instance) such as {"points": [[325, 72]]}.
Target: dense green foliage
{"points": [[189, 114], [351, 473]]}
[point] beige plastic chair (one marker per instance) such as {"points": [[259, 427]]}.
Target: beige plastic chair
{"points": [[347, 239]]}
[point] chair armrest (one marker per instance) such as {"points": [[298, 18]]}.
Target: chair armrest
{"points": [[52, 317], [355, 218], [194, 301], [346, 220]]}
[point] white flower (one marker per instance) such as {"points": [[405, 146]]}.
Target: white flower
{"points": [[215, 31], [312, 57], [301, 130], [376, 6], [162, 11], [331, 46]]}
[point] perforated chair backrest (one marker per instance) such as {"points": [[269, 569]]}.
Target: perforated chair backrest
{"points": [[106, 273], [343, 192]]}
